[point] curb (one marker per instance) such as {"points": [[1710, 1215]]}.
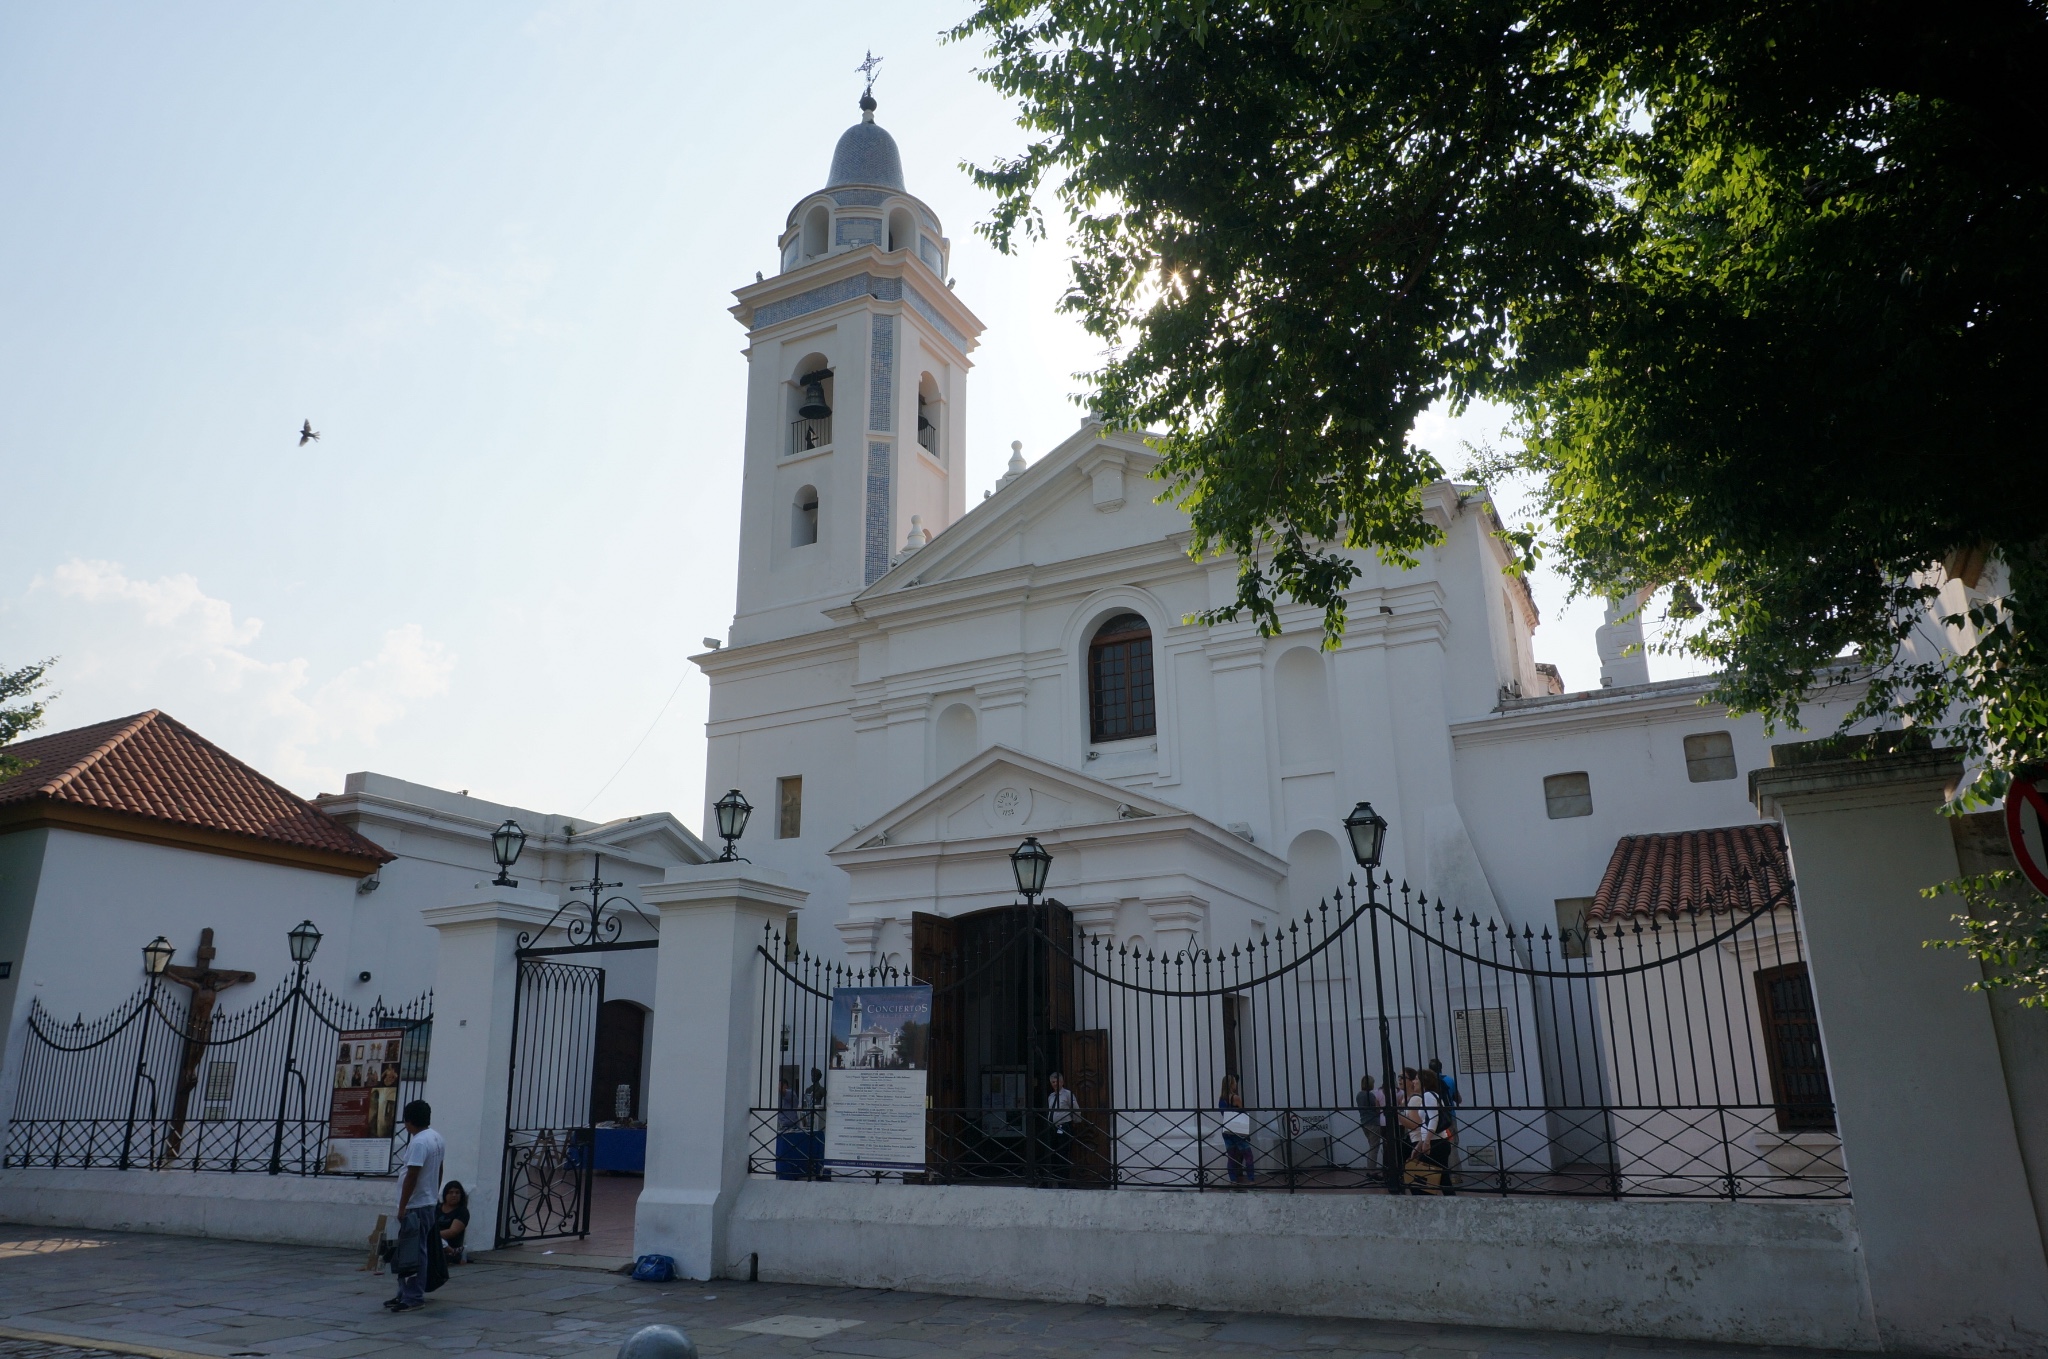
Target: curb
{"points": [[86, 1342]]}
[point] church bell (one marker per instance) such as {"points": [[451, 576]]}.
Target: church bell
{"points": [[814, 407]]}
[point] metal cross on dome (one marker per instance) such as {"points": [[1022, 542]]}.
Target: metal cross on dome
{"points": [[867, 68]]}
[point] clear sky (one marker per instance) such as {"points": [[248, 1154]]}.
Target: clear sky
{"points": [[487, 249]]}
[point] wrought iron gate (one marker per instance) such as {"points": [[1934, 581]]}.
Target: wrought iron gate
{"points": [[550, 1139], [548, 1134]]}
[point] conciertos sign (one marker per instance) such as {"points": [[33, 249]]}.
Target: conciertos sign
{"points": [[362, 1110], [875, 1083]]}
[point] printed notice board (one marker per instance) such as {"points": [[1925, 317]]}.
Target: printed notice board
{"points": [[362, 1112], [875, 1086]]}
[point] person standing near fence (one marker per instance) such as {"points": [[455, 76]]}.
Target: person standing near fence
{"points": [[1059, 1117], [1237, 1132], [418, 1261], [1372, 1119]]}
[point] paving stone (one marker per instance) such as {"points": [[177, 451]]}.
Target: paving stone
{"points": [[304, 1303]]}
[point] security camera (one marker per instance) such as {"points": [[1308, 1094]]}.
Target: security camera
{"points": [[713, 643], [362, 976]]}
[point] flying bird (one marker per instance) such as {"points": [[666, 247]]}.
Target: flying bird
{"points": [[307, 434]]}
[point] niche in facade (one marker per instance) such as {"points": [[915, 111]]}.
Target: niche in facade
{"points": [[803, 517]]}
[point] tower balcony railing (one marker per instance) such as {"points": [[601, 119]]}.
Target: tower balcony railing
{"points": [[928, 436], [806, 436]]}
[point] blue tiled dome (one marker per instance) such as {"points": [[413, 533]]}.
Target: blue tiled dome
{"points": [[866, 155]]}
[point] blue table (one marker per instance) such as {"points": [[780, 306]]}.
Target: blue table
{"points": [[622, 1149]]}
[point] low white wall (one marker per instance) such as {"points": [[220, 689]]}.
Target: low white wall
{"points": [[290, 1209], [1762, 1273]]}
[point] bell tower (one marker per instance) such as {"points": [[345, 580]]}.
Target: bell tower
{"points": [[857, 362]]}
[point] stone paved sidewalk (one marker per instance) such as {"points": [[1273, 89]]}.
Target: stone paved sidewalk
{"points": [[231, 1299]]}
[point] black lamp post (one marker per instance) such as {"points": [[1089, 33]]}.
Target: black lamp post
{"points": [[507, 843], [1030, 862], [304, 940], [1368, 832], [732, 811], [156, 956]]}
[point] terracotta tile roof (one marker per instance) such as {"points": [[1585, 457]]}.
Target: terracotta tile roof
{"points": [[1733, 868], [155, 767]]}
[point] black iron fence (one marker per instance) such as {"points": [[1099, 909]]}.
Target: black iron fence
{"points": [[1668, 1055], [148, 1085]]}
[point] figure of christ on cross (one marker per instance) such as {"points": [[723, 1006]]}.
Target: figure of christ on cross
{"points": [[206, 982]]}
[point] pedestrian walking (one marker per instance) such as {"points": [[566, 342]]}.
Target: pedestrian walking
{"points": [[418, 1261]]}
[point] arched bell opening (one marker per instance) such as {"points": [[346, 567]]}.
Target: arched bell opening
{"points": [[803, 517], [902, 230], [810, 405]]}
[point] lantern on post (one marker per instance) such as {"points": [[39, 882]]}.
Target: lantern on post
{"points": [[1368, 832], [732, 812], [156, 956], [1030, 862], [507, 843]]}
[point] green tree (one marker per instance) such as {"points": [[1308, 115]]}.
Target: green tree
{"points": [[1765, 282], [16, 718]]}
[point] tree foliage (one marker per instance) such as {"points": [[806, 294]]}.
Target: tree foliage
{"points": [[1764, 281], [2004, 929], [16, 718]]}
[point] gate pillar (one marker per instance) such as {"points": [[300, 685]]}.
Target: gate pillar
{"points": [[475, 978], [704, 1064], [1950, 1239]]}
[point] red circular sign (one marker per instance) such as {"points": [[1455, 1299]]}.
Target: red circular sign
{"points": [[2026, 826]]}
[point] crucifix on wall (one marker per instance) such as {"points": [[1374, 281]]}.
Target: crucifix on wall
{"points": [[206, 982]]}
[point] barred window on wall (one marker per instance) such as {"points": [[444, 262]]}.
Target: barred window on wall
{"points": [[1120, 696]]}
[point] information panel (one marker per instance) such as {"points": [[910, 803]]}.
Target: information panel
{"points": [[875, 1087], [362, 1114]]}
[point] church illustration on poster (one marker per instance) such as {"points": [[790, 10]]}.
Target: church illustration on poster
{"points": [[881, 1028]]}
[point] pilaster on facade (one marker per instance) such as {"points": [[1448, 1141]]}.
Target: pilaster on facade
{"points": [[1180, 922], [1096, 920], [859, 938], [1235, 653]]}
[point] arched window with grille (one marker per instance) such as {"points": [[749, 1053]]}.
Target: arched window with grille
{"points": [[1120, 694]]}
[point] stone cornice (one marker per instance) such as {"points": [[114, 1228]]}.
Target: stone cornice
{"points": [[842, 270], [1921, 777]]}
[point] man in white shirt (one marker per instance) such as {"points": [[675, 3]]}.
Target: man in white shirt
{"points": [[419, 1193], [1059, 1108]]}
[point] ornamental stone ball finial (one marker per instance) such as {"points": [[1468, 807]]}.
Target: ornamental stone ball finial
{"points": [[658, 1342]]}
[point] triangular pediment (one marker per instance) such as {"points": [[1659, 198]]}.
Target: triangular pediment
{"points": [[657, 835], [1093, 494], [1002, 792]]}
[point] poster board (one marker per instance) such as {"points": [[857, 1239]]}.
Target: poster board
{"points": [[875, 1085], [362, 1110]]}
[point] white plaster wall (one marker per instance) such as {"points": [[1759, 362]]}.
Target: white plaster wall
{"points": [[317, 1210], [1632, 746], [100, 899], [1757, 1273]]}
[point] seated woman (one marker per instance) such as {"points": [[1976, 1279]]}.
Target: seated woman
{"points": [[451, 1219]]}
